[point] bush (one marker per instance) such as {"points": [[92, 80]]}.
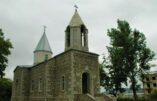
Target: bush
{"points": [[131, 99], [153, 95], [125, 99], [5, 89]]}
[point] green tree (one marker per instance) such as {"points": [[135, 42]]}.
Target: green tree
{"points": [[129, 55], [112, 81], [5, 89], [5, 46]]}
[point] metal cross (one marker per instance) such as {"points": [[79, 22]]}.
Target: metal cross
{"points": [[45, 28], [76, 7]]}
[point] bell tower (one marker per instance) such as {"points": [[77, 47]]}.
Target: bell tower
{"points": [[76, 34]]}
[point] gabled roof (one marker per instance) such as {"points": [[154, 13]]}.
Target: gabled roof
{"points": [[76, 20], [43, 44]]}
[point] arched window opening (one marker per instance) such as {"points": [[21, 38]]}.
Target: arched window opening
{"points": [[17, 82], [16, 85], [63, 83], [85, 83], [46, 57], [32, 86], [68, 36], [83, 39], [40, 84]]}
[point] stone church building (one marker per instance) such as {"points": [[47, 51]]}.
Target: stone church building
{"points": [[70, 76]]}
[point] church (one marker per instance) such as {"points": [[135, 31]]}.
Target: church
{"points": [[72, 75]]}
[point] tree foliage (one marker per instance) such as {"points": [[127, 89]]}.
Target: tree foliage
{"points": [[129, 56], [5, 46], [5, 89], [153, 95], [112, 81]]}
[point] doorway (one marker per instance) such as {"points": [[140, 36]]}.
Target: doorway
{"points": [[85, 83]]}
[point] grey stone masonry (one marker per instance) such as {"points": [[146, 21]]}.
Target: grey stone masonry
{"points": [[70, 64]]}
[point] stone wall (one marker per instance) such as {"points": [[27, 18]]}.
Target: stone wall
{"points": [[70, 65], [39, 56], [21, 84], [84, 62], [84, 97]]}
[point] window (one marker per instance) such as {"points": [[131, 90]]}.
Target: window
{"points": [[68, 39], [68, 36], [40, 84], [83, 39], [148, 85], [32, 86], [147, 79], [46, 57], [63, 83], [149, 91], [16, 84], [153, 78], [154, 84]]}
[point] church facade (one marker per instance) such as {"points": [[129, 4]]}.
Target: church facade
{"points": [[70, 76]]}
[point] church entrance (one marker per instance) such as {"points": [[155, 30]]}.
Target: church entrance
{"points": [[85, 83]]}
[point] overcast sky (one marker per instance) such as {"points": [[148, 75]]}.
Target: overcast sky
{"points": [[22, 22]]}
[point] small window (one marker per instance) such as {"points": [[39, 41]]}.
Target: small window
{"points": [[63, 83], [17, 82], [46, 57], [153, 78], [147, 79], [32, 86], [40, 84], [68, 39], [149, 91], [154, 84], [148, 85]]}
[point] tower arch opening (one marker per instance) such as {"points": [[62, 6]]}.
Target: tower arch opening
{"points": [[83, 38], [68, 36]]}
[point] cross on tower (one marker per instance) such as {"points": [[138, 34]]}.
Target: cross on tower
{"points": [[45, 28], [76, 7]]}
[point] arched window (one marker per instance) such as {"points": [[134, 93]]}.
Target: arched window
{"points": [[16, 84], [63, 83], [68, 36], [83, 38], [40, 84], [32, 85], [46, 57]]}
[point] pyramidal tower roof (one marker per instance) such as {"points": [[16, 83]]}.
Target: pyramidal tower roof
{"points": [[76, 20], [43, 44]]}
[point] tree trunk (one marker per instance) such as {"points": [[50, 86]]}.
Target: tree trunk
{"points": [[134, 87], [134, 92]]}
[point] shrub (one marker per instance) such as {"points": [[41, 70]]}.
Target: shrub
{"points": [[153, 95], [5, 89], [131, 99]]}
